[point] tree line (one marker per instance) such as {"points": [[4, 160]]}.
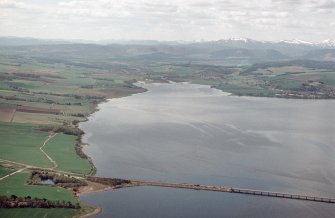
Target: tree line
{"points": [[14, 201]]}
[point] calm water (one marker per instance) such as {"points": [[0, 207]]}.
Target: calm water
{"points": [[192, 133]]}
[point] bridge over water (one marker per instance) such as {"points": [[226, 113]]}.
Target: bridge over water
{"points": [[233, 190]]}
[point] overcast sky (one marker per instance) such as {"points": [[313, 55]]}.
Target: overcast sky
{"points": [[312, 20]]}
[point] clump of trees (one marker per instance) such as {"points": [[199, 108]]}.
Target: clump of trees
{"points": [[78, 115], [87, 86], [69, 130], [79, 150], [14, 201], [108, 181], [64, 181], [12, 98]]}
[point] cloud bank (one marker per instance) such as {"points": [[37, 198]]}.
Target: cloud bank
{"points": [[169, 20]]}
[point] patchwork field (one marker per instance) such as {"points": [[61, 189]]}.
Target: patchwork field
{"points": [[36, 93]]}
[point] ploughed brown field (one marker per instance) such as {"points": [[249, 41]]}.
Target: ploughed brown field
{"points": [[6, 114]]}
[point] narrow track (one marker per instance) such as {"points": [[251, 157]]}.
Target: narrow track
{"points": [[49, 158], [17, 171], [31, 167]]}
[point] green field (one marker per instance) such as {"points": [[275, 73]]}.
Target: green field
{"points": [[16, 185], [4, 171], [21, 142], [61, 149], [37, 213], [245, 90]]}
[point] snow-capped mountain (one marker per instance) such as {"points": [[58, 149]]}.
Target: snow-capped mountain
{"points": [[234, 40], [295, 47], [327, 43], [294, 42], [324, 43], [297, 42]]}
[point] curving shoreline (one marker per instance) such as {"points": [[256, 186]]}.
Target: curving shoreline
{"points": [[97, 211], [92, 188]]}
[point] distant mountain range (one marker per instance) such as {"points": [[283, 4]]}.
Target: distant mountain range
{"points": [[240, 49], [19, 41]]}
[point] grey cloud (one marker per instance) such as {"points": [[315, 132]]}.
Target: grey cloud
{"points": [[178, 19], [326, 4], [202, 4], [159, 7], [11, 4]]}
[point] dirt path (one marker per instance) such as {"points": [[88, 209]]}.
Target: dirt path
{"points": [[50, 159], [76, 175], [17, 163], [17, 171]]}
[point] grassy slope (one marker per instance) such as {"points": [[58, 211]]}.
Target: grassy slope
{"points": [[61, 149], [16, 185], [21, 143]]}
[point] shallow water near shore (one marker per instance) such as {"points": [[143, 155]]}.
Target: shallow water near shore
{"points": [[195, 134]]}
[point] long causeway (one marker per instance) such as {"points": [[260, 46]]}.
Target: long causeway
{"points": [[234, 190]]}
